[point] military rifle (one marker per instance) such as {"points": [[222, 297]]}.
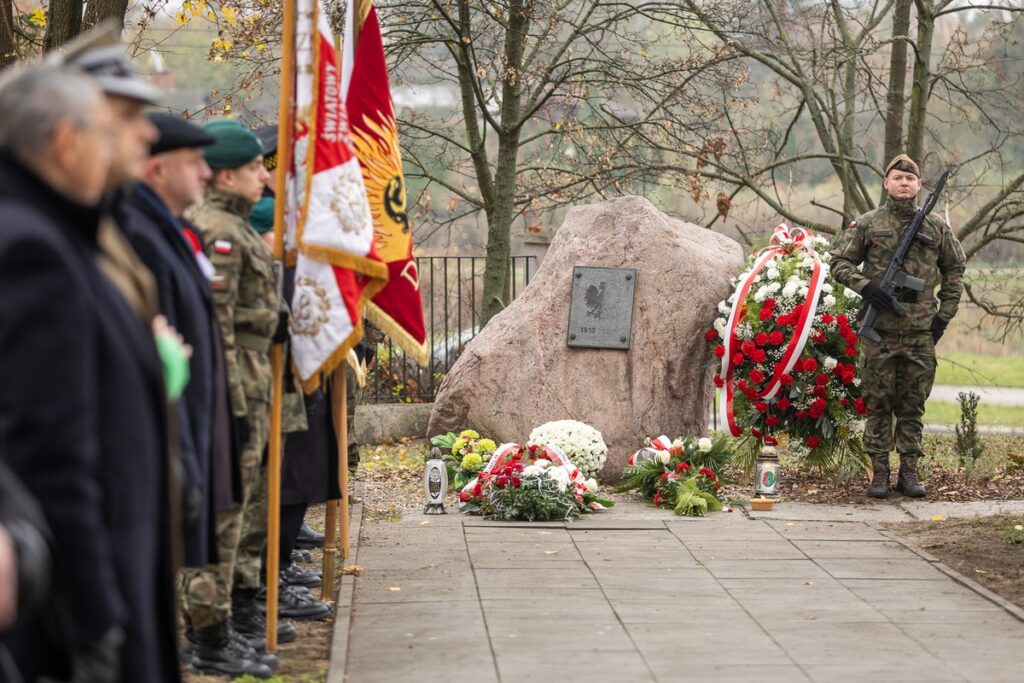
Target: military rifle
{"points": [[895, 277]]}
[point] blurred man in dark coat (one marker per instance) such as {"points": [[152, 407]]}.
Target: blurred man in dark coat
{"points": [[24, 560], [148, 213], [82, 396]]}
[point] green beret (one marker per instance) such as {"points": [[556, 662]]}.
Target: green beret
{"points": [[903, 163], [262, 217], [235, 144]]}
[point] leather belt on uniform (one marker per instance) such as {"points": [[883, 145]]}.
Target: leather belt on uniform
{"points": [[253, 342]]}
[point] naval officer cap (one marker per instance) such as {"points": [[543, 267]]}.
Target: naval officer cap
{"points": [[234, 144], [100, 54], [177, 133], [903, 163]]}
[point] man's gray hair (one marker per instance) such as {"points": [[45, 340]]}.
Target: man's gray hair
{"points": [[34, 99]]}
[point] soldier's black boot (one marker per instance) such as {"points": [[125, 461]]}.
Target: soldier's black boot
{"points": [[907, 482], [251, 653], [214, 652], [880, 476], [247, 619], [309, 538]]}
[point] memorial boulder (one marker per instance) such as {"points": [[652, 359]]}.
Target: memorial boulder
{"points": [[520, 371]]}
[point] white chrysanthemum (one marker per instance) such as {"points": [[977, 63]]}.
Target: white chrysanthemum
{"points": [[724, 308], [719, 326], [591, 485], [704, 445], [533, 471], [827, 288], [850, 294], [583, 444], [829, 301], [803, 291], [830, 362]]}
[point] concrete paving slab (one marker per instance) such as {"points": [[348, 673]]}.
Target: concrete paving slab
{"points": [[974, 508], [881, 567], [707, 530], [545, 666], [903, 595], [778, 549], [813, 512], [765, 569], [827, 531], [824, 550]]}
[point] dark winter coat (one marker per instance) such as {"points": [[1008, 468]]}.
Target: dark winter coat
{"points": [[186, 301], [82, 424]]}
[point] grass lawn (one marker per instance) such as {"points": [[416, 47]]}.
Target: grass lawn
{"points": [[944, 412], [968, 369]]}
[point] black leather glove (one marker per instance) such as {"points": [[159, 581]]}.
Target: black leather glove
{"points": [[242, 430], [877, 297], [938, 328], [98, 661], [281, 333]]}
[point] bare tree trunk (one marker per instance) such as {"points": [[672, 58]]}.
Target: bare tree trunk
{"points": [[922, 75], [8, 50], [63, 23], [897, 91], [499, 219], [98, 10]]}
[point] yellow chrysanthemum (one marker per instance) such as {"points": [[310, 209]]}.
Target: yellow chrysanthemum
{"points": [[37, 17], [468, 434], [472, 462], [458, 446], [484, 446]]}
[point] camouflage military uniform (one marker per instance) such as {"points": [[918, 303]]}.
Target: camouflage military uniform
{"points": [[247, 306], [897, 373]]}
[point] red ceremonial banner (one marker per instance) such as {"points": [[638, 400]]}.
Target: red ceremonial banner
{"points": [[397, 309]]}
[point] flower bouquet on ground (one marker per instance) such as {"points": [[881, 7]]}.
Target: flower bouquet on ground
{"points": [[465, 454], [532, 483], [788, 354], [679, 475], [581, 442]]}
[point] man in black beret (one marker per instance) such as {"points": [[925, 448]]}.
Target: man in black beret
{"points": [[174, 179]]}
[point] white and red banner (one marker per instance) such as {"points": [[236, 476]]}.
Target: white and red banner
{"points": [[783, 241], [330, 233], [397, 309]]}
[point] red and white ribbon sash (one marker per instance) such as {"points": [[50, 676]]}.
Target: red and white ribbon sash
{"points": [[784, 241]]}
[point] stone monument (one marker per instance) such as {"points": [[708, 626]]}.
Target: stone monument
{"points": [[520, 372]]}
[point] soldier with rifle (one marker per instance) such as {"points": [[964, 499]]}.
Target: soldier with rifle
{"points": [[896, 257]]}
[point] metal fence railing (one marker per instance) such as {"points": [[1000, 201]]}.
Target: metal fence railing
{"points": [[452, 288]]}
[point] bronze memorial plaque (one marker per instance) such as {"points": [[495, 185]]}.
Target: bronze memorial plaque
{"points": [[601, 308]]}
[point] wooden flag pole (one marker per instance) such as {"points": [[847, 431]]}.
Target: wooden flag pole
{"points": [[341, 387], [284, 154], [330, 551]]}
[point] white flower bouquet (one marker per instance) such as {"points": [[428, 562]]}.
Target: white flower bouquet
{"points": [[582, 443]]}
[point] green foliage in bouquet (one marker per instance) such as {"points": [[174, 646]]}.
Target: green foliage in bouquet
{"points": [[691, 501], [465, 454], [536, 499], [681, 476]]}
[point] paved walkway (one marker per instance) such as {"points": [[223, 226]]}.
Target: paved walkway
{"points": [[807, 593], [1005, 396]]}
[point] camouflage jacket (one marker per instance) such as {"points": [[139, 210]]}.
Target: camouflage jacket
{"points": [[244, 294], [871, 240]]}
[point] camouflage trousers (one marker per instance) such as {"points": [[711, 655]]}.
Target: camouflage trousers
{"points": [[241, 536], [355, 394], [897, 375]]}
